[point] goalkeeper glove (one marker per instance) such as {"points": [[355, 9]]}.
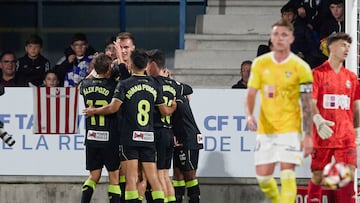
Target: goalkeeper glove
{"points": [[357, 136], [323, 126]]}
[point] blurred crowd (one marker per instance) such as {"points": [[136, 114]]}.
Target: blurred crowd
{"points": [[313, 22]]}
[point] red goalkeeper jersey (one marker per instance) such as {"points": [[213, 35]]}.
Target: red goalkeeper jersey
{"points": [[335, 94]]}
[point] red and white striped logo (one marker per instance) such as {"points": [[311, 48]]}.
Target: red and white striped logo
{"points": [[55, 110]]}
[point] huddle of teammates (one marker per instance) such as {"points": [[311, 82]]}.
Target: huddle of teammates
{"points": [[133, 121]]}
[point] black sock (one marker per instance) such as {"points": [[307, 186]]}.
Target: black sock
{"points": [[114, 193], [148, 195], [158, 201], [122, 188], [179, 187], [87, 191], [193, 192], [114, 198], [133, 201]]}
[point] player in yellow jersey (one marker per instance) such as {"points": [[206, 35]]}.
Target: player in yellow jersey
{"points": [[282, 78]]}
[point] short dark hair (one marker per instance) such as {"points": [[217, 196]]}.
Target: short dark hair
{"points": [[288, 8], [139, 59], [338, 36], [110, 40], [102, 63], [7, 53], [157, 56], [245, 62], [79, 37], [34, 39], [51, 71], [336, 2]]}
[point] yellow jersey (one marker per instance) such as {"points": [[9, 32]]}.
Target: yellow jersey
{"points": [[279, 85]]}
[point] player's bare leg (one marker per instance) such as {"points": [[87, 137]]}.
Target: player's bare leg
{"points": [[131, 174], [152, 177], [163, 182], [170, 189], [142, 183]]}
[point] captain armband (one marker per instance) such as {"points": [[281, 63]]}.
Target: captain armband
{"points": [[305, 88]]}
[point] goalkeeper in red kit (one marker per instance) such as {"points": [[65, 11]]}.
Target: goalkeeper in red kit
{"points": [[336, 119]]}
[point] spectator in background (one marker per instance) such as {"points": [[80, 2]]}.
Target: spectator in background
{"points": [[334, 23], [51, 79], [244, 74], [110, 48], [74, 66], [263, 49], [304, 45], [306, 10], [323, 14], [31, 68], [8, 69]]}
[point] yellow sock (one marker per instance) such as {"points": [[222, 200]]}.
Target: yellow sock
{"points": [[288, 186], [269, 187]]}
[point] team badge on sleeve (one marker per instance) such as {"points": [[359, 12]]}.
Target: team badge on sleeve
{"points": [[199, 139], [306, 88]]}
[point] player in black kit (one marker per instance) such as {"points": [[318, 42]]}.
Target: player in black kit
{"points": [[186, 153], [102, 138], [138, 96], [164, 135]]}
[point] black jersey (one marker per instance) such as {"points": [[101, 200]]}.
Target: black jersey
{"points": [[170, 89], [184, 126], [139, 95], [32, 70], [101, 130]]}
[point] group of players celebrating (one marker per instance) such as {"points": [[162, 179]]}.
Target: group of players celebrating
{"points": [[136, 126]]}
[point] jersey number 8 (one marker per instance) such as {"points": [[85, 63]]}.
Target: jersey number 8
{"points": [[143, 112]]}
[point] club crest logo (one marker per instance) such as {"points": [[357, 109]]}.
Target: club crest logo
{"points": [[348, 84], [288, 74]]}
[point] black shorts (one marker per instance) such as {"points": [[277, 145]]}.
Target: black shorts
{"points": [[98, 157], [142, 154], [186, 160], [164, 147]]}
